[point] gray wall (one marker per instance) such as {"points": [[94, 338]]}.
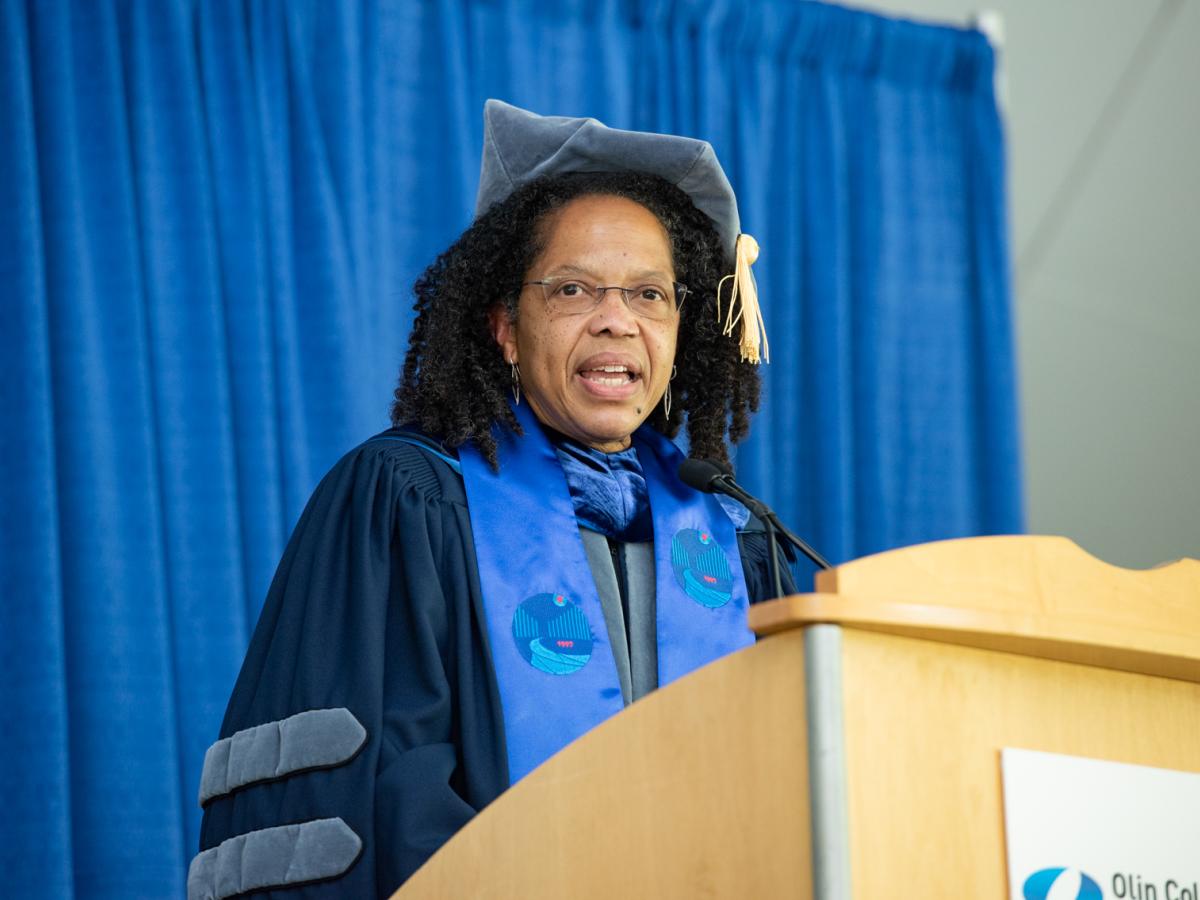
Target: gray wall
{"points": [[1102, 106]]}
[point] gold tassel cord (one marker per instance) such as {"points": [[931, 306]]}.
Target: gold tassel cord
{"points": [[743, 304]]}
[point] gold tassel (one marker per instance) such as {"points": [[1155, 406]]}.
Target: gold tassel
{"points": [[743, 303]]}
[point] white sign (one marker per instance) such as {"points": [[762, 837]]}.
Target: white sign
{"points": [[1084, 829]]}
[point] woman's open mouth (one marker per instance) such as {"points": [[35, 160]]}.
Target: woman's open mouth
{"points": [[610, 376]]}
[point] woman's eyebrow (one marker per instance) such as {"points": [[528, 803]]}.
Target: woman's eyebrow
{"points": [[652, 274], [572, 269]]}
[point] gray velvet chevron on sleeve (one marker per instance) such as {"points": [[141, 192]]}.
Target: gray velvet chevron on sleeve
{"points": [[284, 856], [316, 739]]}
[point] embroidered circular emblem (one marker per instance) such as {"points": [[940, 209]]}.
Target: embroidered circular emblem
{"points": [[701, 568], [552, 634]]}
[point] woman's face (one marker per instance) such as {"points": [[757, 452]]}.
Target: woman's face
{"points": [[567, 360]]}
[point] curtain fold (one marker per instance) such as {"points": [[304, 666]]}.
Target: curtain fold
{"points": [[213, 215], [35, 784]]}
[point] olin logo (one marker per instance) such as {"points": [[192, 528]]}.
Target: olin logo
{"points": [[1061, 884]]}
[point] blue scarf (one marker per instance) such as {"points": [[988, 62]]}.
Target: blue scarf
{"points": [[608, 490], [549, 642]]}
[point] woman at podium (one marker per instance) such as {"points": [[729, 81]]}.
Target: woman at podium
{"points": [[517, 559]]}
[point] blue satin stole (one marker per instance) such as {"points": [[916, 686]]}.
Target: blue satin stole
{"points": [[554, 667]]}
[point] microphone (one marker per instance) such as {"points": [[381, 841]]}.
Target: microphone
{"points": [[703, 474], [713, 477]]}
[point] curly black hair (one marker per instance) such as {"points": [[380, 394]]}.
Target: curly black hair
{"points": [[454, 384]]}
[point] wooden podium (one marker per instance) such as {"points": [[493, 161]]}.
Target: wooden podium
{"points": [[854, 751]]}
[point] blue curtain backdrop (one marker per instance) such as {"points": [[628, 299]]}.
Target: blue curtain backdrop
{"points": [[210, 216]]}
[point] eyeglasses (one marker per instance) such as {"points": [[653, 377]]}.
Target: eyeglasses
{"points": [[569, 296]]}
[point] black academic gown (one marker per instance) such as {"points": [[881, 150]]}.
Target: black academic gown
{"points": [[376, 607]]}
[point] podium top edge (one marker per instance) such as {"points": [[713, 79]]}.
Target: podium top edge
{"points": [[1005, 570], [1034, 595]]}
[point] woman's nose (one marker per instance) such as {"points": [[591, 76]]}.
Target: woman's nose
{"points": [[612, 312]]}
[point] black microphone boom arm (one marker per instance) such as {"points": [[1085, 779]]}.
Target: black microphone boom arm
{"points": [[713, 477]]}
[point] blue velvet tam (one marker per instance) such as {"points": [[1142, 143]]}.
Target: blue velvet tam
{"points": [[520, 146]]}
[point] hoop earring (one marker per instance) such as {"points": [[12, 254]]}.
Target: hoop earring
{"points": [[667, 395], [516, 384]]}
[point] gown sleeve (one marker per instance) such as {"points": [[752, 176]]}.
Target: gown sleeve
{"points": [[375, 610]]}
